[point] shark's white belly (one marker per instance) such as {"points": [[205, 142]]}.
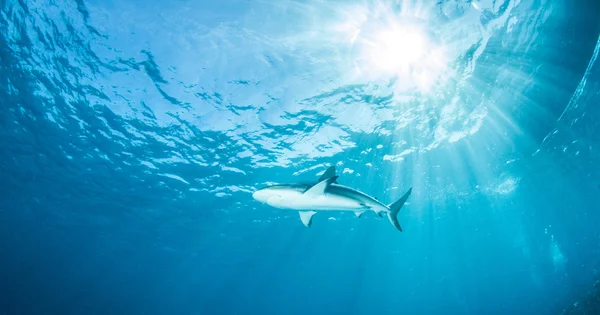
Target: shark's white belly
{"points": [[294, 200]]}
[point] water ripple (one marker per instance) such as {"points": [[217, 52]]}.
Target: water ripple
{"points": [[233, 95]]}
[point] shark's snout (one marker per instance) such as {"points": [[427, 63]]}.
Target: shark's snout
{"points": [[256, 195], [260, 195], [265, 196]]}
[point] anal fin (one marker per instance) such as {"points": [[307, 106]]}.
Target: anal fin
{"points": [[306, 217]]}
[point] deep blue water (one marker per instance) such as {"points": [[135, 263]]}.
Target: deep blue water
{"points": [[133, 133]]}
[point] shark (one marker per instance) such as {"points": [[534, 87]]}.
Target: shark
{"points": [[326, 194]]}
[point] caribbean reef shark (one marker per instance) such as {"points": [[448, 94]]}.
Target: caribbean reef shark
{"points": [[326, 195]]}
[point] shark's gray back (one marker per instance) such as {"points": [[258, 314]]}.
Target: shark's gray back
{"points": [[352, 193], [335, 189], [292, 186]]}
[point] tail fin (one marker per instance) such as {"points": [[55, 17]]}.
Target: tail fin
{"points": [[395, 208]]}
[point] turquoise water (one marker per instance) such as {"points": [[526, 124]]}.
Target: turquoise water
{"points": [[134, 133]]}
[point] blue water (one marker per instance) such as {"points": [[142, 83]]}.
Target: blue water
{"points": [[133, 134]]}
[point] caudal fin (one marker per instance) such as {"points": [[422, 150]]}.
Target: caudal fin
{"points": [[395, 208]]}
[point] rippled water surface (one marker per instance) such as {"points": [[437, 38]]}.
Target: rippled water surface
{"points": [[133, 134]]}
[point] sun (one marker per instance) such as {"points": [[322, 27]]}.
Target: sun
{"points": [[400, 47], [395, 49]]}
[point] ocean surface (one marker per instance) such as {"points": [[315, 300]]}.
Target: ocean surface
{"points": [[133, 134]]}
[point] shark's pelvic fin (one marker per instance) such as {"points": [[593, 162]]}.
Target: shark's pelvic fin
{"points": [[330, 172], [306, 217], [319, 189], [395, 208], [358, 213]]}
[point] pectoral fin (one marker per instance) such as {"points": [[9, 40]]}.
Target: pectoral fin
{"points": [[306, 217]]}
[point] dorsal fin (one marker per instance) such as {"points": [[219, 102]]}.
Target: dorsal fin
{"points": [[330, 172], [319, 188]]}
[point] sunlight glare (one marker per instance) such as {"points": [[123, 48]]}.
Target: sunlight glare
{"points": [[395, 46], [396, 49]]}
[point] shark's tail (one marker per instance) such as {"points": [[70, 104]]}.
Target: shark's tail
{"points": [[395, 208]]}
